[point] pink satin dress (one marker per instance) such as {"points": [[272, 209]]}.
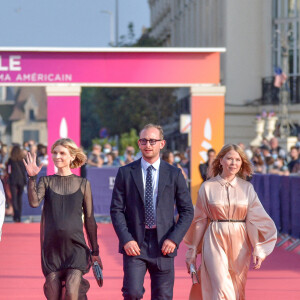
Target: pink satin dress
{"points": [[226, 247]]}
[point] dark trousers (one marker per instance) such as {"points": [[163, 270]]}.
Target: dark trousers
{"points": [[16, 195], [161, 270]]}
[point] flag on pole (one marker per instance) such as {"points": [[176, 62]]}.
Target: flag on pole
{"points": [[264, 113], [280, 77]]}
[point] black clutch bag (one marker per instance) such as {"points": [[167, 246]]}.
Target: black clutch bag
{"points": [[98, 273]]}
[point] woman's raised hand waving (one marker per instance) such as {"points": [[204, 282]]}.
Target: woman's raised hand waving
{"points": [[31, 166]]}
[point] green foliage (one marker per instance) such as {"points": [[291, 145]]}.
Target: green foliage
{"points": [[90, 122], [147, 41], [121, 109], [129, 139], [144, 41]]}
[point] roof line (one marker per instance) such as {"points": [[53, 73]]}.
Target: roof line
{"points": [[117, 49]]}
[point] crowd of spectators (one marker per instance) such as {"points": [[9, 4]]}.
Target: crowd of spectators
{"points": [[12, 172], [268, 158], [29, 146], [109, 157]]}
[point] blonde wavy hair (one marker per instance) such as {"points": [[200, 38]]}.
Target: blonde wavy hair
{"points": [[246, 167], [80, 157]]}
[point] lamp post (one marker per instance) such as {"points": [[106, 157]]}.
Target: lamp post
{"points": [[111, 16], [117, 23]]}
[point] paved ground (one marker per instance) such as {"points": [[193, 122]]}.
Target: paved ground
{"points": [[21, 276]]}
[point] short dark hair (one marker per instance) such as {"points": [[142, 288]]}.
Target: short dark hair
{"points": [[150, 125], [294, 147], [211, 150]]}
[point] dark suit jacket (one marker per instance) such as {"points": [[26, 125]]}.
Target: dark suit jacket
{"points": [[17, 172], [128, 211], [203, 170]]}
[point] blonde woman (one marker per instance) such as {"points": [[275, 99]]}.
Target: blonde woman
{"points": [[65, 254], [229, 226]]}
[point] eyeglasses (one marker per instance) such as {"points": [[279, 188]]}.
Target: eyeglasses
{"points": [[152, 142]]}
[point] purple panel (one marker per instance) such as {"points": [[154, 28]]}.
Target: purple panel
{"points": [[102, 182]]}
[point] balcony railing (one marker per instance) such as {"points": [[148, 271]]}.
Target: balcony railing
{"points": [[270, 93]]}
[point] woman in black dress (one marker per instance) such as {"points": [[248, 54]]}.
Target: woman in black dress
{"points": [[65, 255], [17, 180]]}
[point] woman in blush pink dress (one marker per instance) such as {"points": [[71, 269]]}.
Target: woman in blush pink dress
{"points": [[229, 225]]}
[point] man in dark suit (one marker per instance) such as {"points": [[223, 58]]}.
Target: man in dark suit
{"points": [[142, 213], [203, 168]]}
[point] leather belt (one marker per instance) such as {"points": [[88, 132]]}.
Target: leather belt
{"points": [[230, 220]]}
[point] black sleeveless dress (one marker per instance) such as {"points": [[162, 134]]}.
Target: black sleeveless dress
{"points": [[67, 199]]}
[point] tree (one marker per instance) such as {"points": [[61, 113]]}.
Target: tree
{"points": [[144, 41], [122, 109], [129, 139], [90, 121]]}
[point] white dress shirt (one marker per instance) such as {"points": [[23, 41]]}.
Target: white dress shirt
{"points": [[155, 176], [2, 207]]}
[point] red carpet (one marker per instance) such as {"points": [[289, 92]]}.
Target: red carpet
{"points": [[21, 276]]}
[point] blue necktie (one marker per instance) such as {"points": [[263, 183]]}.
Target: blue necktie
{"points": [[149, 208]]}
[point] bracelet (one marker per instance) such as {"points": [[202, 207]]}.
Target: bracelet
{"points": [[32, 177], [95, 253]]}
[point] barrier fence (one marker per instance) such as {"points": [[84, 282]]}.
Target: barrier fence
{"points": [[102, 183], [280, 196]]}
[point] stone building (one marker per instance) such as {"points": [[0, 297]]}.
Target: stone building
{"points": [[7, 102], [252, 33], [23, 112]]}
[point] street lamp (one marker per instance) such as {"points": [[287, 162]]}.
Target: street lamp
{"points": [[111, 16], [285, 122], [117, 23]]}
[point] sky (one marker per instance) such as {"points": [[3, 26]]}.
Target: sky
{"points": [[67, 23]]}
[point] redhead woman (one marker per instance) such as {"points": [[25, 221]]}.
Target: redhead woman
{"points": [[229, 226], [65, 254]]}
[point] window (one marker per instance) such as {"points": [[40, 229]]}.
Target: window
{"points": [[286, 32], [31, 115]]}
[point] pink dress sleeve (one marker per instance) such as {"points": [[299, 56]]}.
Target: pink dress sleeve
{"points": [[260, 227], [194, 236]]}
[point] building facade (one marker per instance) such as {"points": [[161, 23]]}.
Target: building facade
{"points": [[252, 33], [23, 115], [7, 102]]}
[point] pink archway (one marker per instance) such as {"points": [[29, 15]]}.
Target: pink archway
{"points": [[64, 70]]}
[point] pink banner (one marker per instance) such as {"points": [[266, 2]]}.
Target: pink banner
{"points": [[63, 121], [181, 68]]}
